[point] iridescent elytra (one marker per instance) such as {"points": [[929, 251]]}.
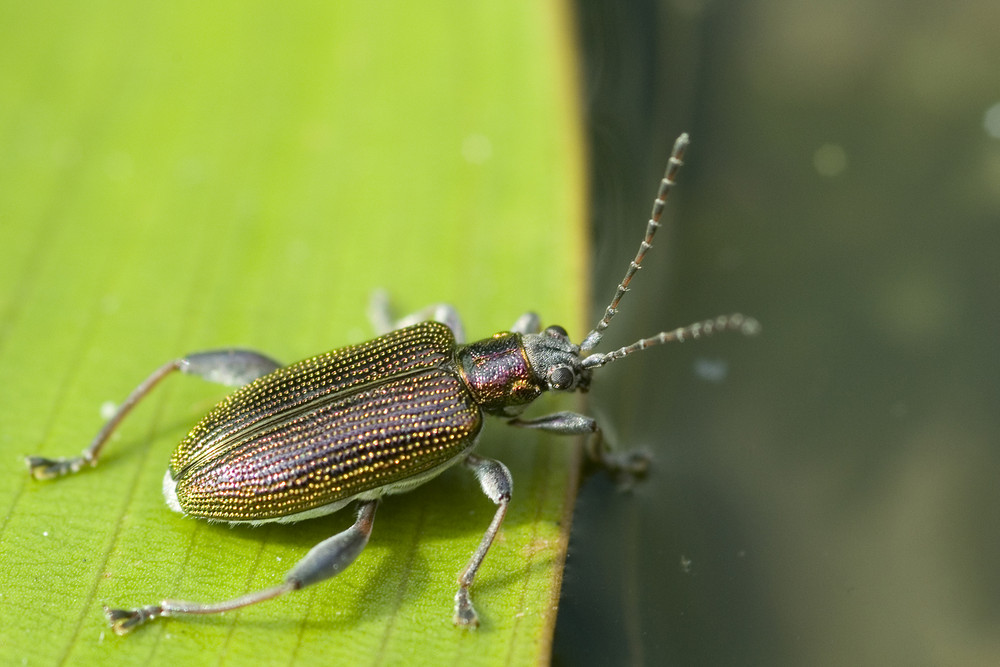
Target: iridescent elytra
{"points": [[381, 417]]}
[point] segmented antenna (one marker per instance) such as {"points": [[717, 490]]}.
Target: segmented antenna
{"points": [[673, 166], [735, 322]]}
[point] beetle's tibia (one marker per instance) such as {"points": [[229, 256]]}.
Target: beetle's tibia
{"points": [[43, 468], [124, 621]]}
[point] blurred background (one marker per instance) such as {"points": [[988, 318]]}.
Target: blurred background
{"points": [[825, 493]]}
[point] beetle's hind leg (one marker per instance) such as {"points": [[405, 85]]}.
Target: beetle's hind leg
{"points": [[327, 559], [383, 319], [228, 367]]}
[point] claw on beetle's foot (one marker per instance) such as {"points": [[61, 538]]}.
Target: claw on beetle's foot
{"points": [[43, 468], [465, 614], [124, 621]]}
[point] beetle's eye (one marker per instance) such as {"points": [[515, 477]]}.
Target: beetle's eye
{"points": [[556, 331], [561, 377]]}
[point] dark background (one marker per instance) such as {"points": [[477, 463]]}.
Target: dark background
{"points": [[825, 493]]}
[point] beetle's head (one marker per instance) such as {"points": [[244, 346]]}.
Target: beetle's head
{"points": [[559, 363], [556, 360]]}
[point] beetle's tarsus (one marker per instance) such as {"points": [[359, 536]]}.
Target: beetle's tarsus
{"points": [[635, 462], [43, 468], [626, 468], [465, 613], [123, 621]]}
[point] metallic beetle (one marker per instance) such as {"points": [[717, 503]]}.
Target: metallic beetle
{"points": [[368, 420]]}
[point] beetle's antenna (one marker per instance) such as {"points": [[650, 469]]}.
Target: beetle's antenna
{"points": [[735, 322], [673, 166]]}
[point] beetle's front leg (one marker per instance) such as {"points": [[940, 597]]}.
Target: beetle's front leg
{"points": [[327, 559], [497, 484], [626, 467], [229, 367]]}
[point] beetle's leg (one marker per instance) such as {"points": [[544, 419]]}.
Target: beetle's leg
{"points": [[228, 367], [624, 466], [383, 321], [327, 559], [380, 312], [529, 323], [497, 484]]}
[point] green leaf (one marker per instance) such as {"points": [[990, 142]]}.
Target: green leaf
{"points": [[183, 176]]}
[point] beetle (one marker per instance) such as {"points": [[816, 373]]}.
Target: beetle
{"points": [[364, 421]]}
